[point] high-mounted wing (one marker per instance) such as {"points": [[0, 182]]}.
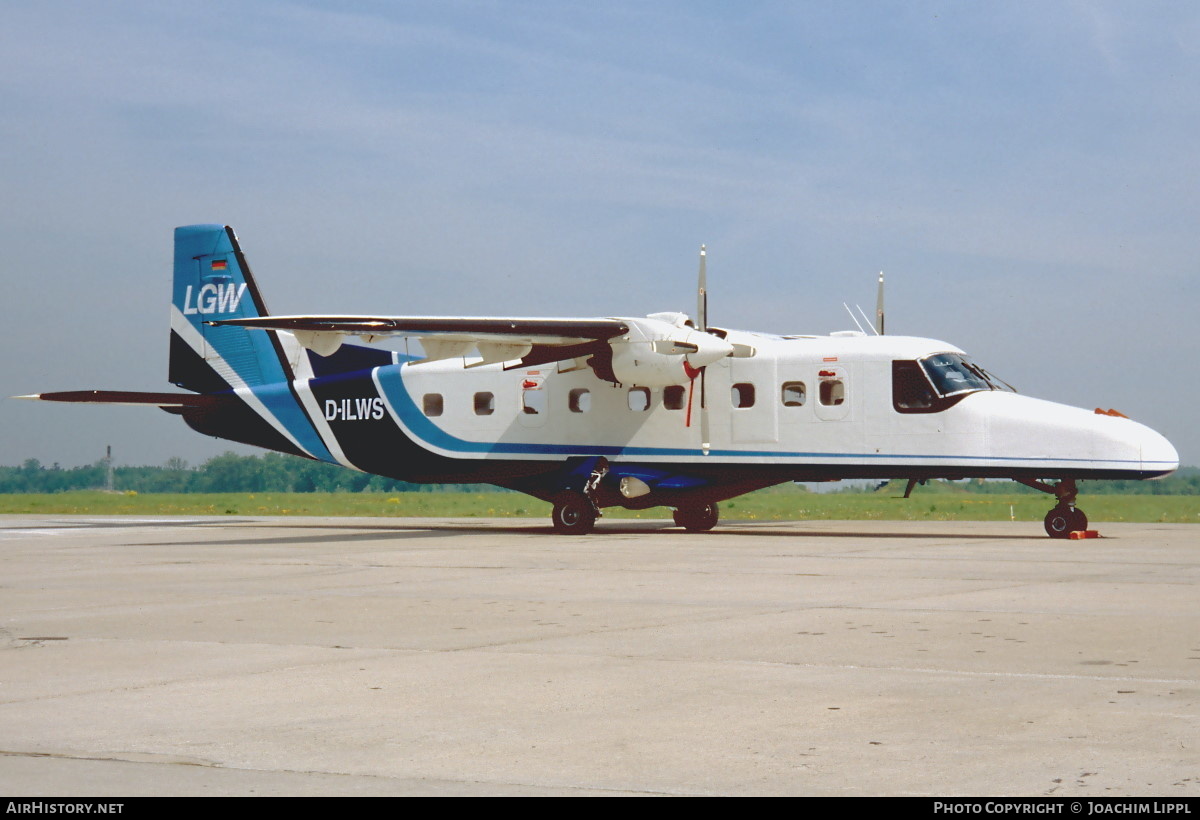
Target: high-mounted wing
{"points": [[661, 349], [531, 341]]}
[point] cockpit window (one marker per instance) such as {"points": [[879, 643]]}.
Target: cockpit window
{"points": [[951, 374], [937, 382]]}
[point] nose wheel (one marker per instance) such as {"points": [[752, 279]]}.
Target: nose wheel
{"points": [[1064, 520]]}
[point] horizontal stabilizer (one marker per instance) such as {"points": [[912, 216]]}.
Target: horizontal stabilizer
{"points": [[532, 331], [124, 397]]}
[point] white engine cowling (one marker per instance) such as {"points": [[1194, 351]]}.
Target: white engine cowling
{"points": [[657, 353]]}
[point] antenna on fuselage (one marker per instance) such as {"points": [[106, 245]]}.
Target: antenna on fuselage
{"points": [[854, 318], [871, 325]]}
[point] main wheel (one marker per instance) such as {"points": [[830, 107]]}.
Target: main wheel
{"points": [[573, 514], [1062, 521], [696, 519]]}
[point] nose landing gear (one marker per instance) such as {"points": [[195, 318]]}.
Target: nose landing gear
{"points": [[1065, 518]]}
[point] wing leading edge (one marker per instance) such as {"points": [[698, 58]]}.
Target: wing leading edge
{"points": [[529, 340]]}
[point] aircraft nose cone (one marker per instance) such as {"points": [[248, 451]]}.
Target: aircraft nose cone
{"points": [[1157, 452]]}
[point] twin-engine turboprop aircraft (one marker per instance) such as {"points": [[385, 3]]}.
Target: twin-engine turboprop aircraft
{"points": [[663, 410]]}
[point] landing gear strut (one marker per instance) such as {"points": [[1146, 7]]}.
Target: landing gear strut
{"points": [[1065, 518], [575, 512]]}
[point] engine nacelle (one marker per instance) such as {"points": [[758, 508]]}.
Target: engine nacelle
{"points": [[658, 353]]}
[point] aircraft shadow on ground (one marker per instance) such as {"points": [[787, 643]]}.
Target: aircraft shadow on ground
{"points": [[400, 530]]}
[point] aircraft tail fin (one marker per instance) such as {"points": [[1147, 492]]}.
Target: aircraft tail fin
{"points": [[248, 369], [213, 281]]}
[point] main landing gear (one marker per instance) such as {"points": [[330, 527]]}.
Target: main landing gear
{"points": [[577, 504], [1065, 518], [575, 514], [575, 511], [701, 518]]}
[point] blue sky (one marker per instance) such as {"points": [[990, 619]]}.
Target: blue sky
{"points": [[1025, 173]]}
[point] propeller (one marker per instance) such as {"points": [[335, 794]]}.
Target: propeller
{"points": [[701, 325], [879, 307]]}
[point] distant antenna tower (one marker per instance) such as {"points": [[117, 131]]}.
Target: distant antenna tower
{"points": [[108, 470]]}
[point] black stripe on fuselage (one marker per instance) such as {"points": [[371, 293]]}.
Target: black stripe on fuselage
{"points": [[348, 359], [227, 417], [190, 371], [370, 439]]}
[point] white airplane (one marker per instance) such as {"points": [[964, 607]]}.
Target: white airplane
{"points": [[663, 410]]}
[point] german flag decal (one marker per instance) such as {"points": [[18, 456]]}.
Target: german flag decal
{"points": [[219, 264]]}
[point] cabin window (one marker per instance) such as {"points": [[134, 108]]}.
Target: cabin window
{"points": [[432, 404], [579, 400], [793, 394], [832, 392], [639, 398], [485, 404], [674, 397], [533, 401], [742, 395]]}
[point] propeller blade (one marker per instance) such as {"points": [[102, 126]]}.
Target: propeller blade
{"points": [[674, 347], [879, 307], [702, 326]]}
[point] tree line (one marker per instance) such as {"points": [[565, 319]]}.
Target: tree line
{"points": [[228, 473]]}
